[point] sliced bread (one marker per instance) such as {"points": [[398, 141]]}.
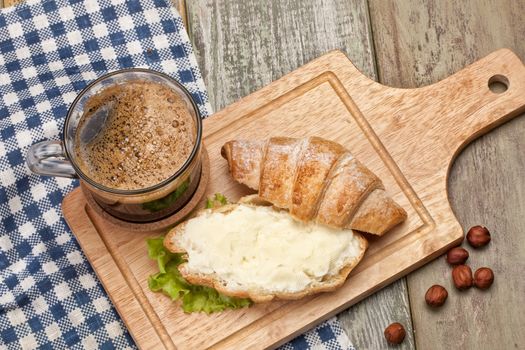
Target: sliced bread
{"points": [[253, 250]]}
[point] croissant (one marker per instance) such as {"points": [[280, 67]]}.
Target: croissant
{"points": [[316, 180]]}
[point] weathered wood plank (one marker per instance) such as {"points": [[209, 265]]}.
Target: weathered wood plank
{"points": [[366, 321], [419, 42], [243, 45]]}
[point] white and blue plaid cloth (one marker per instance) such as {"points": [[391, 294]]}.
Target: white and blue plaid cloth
{"points": [[50, 297]]}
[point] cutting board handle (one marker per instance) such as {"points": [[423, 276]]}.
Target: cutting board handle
{"points": [[476, 99], [440, 119]]}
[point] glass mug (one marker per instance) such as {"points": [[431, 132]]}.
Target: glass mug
{"points": [[60, 158]]}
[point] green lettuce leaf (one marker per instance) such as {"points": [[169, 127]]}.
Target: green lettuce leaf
{"points": [[216, 201], [170, 282], [166, 202]]}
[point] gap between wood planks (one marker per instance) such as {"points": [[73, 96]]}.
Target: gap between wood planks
{"points": [[409, 328], [419, 42]]}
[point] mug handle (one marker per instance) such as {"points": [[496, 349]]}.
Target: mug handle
{"points": [[49, 158]]}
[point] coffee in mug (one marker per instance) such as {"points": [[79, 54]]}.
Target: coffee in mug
{"points": [[133, 137], [146, 137]]}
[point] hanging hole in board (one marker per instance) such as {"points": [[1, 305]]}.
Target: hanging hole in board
{"points": [[498, 83]]}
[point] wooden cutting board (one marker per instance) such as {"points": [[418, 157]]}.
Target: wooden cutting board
{"points": [[408, 137]]}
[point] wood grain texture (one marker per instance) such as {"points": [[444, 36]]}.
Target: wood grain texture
{"points": [[244, 45], [366, 321], [384, 127], [419, 42], [487, 186]]}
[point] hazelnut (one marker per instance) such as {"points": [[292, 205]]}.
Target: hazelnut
{"points": [[395, 333], [483, 278], [436, 295], [462, 277], [478, 236], [457, 256]]}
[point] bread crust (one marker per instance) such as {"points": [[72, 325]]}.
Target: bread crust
{"points": [[350, 184], [249, 155], [377, 213], [316, 180], [278, 170], [331, 283], [311, 174]]}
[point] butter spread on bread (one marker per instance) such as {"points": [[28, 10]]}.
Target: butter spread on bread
{"points": [[316, 180], [261, 252]]}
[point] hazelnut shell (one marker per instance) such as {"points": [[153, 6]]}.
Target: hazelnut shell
{"points": [[457, 256], [483, 278], [395, 333], [462, 277], [478, 236], [436, 295]]}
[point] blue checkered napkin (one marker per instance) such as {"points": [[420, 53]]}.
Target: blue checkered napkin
{"points": [[50, 50], [326, 336]]}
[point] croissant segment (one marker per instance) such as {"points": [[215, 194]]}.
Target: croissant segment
{"points": [[277, 170], [315, 179], [248, 156]]}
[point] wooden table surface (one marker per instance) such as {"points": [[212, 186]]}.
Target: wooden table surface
{"points": [[242, 45]]}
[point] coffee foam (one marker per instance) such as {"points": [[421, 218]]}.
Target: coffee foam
{"points": [[148, 135]]}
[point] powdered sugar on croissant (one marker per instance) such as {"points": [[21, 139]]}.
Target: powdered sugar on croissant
{"points": [[316, 180]]}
